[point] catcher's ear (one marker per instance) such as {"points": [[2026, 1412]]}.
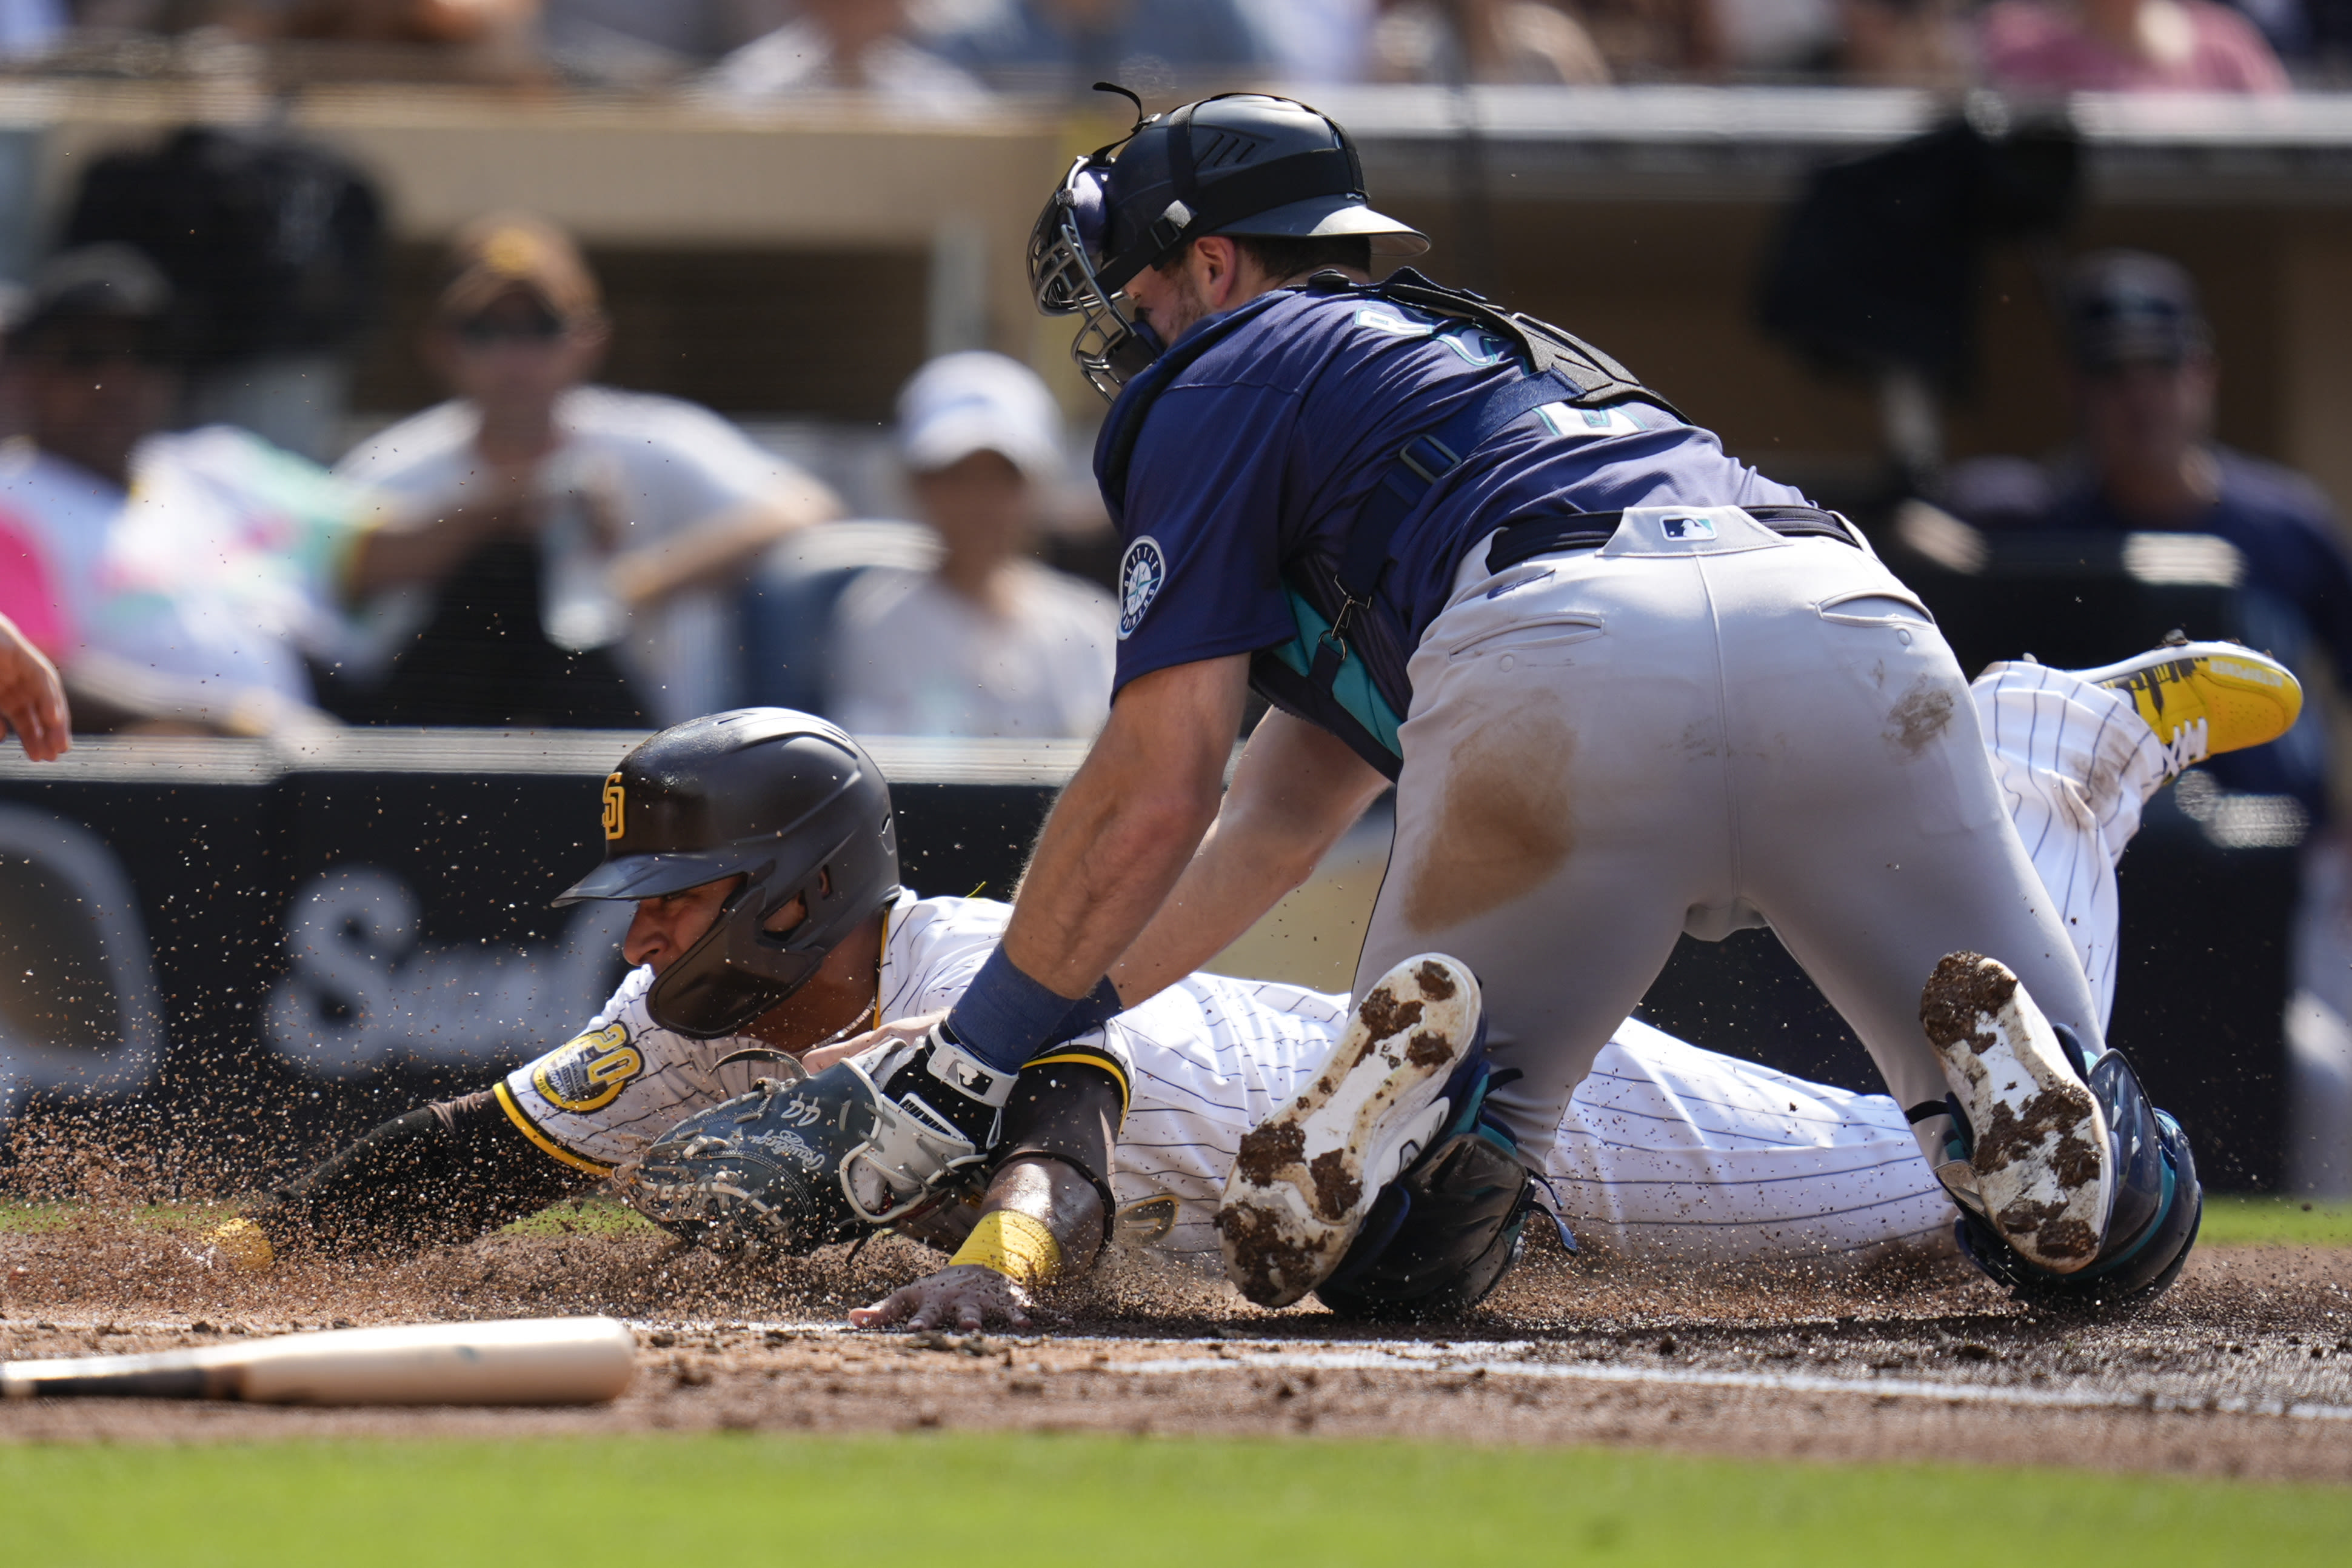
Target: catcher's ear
{"points": [[787, 917]]}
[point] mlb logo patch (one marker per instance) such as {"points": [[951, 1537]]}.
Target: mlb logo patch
{"points": [[1687, 528]]}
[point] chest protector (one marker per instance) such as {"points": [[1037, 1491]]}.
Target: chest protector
{"points": [[1343, 670]]}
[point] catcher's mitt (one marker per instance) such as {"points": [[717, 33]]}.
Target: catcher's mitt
{"points": [[793, 1166]]}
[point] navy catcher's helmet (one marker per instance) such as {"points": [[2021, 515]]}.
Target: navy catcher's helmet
{"points": [[2158, 1205], [1239, 164], [781, 799]]}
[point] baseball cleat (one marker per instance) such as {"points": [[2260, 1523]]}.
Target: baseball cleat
{"points": [[2039, 1164], [2205, 698], [1305, 1177]]}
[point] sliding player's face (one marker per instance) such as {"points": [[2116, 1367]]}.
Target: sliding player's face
{"points": [[666, 926]]}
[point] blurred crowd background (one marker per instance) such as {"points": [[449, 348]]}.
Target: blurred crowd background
{"points": [[534, 364], [937, 54]]}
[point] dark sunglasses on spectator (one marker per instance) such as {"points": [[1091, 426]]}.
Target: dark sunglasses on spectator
{"points": [[489, 331]]}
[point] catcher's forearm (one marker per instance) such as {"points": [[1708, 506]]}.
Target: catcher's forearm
{"points": [[1296, 791], [448, 1172]]}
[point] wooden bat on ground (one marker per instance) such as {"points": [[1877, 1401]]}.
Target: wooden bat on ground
{"points": [[524, 1361]]}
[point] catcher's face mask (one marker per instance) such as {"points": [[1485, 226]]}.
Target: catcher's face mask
{"points": [[1067, 277]]}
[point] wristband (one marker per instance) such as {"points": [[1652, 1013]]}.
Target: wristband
{"points": [[1014, 1244], [1089, 1013], [1005, 1016]]}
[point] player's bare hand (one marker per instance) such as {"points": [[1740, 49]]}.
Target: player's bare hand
{"points": [[959, 1296], [32, 699], [897, 1031]]}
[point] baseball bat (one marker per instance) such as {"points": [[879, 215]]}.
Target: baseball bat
{"points": [[523, 1360]]}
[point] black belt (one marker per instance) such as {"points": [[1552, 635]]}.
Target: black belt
{"points": [[1532, 536]]}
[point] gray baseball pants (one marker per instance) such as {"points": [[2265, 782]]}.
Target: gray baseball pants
{"points": [[1701, 726]]}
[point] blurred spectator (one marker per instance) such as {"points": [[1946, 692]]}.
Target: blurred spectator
{"points": [[2126, 46], [989, 642], [1652, 40], [466, 22], [1314, 42], [568, 543], [1520, 41], [845, 45], [29, 27], [178, 578], [1905, 43], [2145, 378], [1152, 45], [1767, 38], [274, 250], [646, 42], [32, 700]]}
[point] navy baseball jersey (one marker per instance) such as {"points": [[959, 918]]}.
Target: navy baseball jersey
{"points": [[1262, 449]]}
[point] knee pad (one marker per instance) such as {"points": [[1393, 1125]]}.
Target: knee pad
{"points": [[2157, 1207], [1440, 1237]]}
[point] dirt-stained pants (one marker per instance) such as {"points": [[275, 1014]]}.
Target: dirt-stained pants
{"points": [[1701, 726]]}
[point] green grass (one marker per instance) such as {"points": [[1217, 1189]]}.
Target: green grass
{"points": [[590, 1217], [2238, 1219], [970, 1501]]}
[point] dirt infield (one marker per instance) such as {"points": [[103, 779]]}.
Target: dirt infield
{"points": [[2245, 1369]]}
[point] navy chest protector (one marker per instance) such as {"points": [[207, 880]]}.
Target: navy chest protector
{"points": [[1343, 669]]}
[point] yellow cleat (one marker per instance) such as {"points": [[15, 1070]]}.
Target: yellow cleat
{"points": [[2205, 698]]}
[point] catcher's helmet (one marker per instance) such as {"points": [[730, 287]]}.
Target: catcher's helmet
{"points": [[1239, 164], [2158, 1205], [783, 800]]}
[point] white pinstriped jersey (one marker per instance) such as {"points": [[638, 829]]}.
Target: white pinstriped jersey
{"points": [[1667, 1146]]}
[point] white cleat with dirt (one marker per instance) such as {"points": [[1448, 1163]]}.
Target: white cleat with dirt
{"points": [[2041, 1169], [1305, 1179]]}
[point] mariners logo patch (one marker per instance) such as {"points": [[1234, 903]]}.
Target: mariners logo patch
{"points": [[1141, 570], [588, 1073]]}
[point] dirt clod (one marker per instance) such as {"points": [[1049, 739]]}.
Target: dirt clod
{"points": [[1336, 1187], [1964, 986], [1384, 1016], [1268, 1150]]}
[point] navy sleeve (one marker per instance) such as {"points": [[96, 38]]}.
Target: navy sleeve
{"points": [[1200, 579]]}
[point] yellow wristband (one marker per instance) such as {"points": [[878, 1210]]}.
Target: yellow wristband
{"points": [[242, 1246], [1014, 1244]]}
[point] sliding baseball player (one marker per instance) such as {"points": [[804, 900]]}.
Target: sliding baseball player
{"points": [[771, 927]]}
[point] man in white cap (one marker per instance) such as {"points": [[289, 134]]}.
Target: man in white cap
{"points": [[988, 641]]}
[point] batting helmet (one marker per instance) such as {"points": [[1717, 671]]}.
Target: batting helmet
{"points": [[781, 799], [2158, 1205], [1239, 164]]}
